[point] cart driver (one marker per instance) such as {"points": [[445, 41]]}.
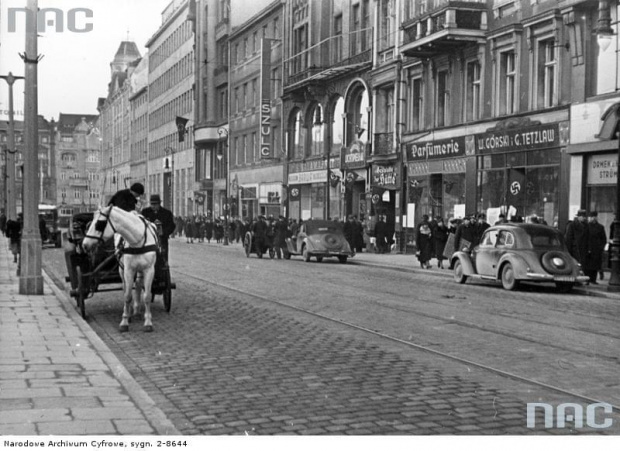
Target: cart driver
{"points": [[158, 213], [127, 199]]}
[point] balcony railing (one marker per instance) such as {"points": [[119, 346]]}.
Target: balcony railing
{"points": [[329, 58], [445, 25], [383, 144]]}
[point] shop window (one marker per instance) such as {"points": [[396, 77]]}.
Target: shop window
{"points": [[337, 133], [515, 159]]}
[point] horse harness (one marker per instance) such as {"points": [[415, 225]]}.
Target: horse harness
{"points": [[100, 226]]}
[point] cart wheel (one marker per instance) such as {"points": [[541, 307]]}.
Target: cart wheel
{"points": [[167, 291], [81, 292]]}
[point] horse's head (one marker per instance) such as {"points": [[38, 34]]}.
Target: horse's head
{"points": [[100, 229]]}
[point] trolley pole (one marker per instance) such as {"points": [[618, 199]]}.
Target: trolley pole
{"points": [[30, 278]]}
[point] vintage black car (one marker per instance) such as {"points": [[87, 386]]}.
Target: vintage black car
{"points": [[319, 239], [512, 253]]}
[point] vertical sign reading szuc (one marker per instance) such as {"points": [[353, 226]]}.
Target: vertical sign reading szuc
{"points": [[266, 148], [265, 128]]}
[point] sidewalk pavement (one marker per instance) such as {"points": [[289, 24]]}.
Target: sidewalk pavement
{"points": [[56, 375]]}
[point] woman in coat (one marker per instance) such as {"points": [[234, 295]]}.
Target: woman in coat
{"points": [[190, 228], [424, 241]]}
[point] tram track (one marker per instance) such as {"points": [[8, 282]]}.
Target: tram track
{"points": [[420, 347]]}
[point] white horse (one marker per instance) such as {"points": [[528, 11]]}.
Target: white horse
{"points": [[138, 256]]}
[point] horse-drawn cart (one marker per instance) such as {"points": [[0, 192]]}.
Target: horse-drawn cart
{"points": [[97, 271]]}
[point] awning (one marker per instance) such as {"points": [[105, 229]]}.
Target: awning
{"points": [[590, 147]]}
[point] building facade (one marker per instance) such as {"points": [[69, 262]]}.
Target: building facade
{"points": [[115, 122], [327, 106], [171, 96], [78, 164], [255, 126]]}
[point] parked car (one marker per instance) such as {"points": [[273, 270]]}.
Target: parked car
{"points": [[513, 253], [319, 238]]}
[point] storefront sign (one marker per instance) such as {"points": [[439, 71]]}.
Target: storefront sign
{"points": [[603, 169], [307, 177], [431, 150], [199, 197], [353, 156], [386, 176], [529, 138], [313, 165], [265, 129]]}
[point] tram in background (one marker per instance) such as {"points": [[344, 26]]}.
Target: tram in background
{"points": [[52, 224]]}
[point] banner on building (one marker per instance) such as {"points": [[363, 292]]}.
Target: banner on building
{"points": [[294, 193], [199, 198], [354, 156], [386, 176], [266, 146]]}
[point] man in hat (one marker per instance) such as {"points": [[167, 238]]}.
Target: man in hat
{"points": [[466, 235], [156, 213], [127, 199], [597, 238], [577, 237]]}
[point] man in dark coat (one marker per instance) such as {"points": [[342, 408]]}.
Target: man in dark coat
{"points": [[127, 199], [358, 235], [14, 234], [158, 213], [481, 226], [597, 238], [577, 237], [440, 238], [466, 231], [381, 234], [348, 230], [3, 223], [281, 231], [259, 227]]}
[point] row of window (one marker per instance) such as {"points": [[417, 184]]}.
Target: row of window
{"points": [[20, 138], [248, 94], [182, 34], [170, 78], [505, 92], [170, 110], [252, 45], [162, 146], [245, 148]]}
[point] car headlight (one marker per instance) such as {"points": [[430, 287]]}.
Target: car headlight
{"points": [[557, 261]]}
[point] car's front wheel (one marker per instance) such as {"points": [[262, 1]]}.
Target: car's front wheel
{"points": [[459, 275], [509, 281]]}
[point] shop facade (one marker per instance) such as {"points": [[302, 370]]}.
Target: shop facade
{"points": [[593, 162], [519, 170]]}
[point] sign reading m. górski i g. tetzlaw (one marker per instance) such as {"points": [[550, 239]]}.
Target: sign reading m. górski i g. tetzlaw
{"points": [[440, 148], [525, 138]]}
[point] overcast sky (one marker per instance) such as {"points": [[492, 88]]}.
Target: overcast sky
{"points": [[75, 69]]}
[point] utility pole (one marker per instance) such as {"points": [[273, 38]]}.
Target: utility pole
{"points": [[11, 211], [30, 277]]}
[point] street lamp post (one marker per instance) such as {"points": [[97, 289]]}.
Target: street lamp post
{"points": [[11, 210], [223, 132], [170, 151]]}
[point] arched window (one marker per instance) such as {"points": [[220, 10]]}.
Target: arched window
{"points": [[337, 127], [297, 137], [318, 131]]}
